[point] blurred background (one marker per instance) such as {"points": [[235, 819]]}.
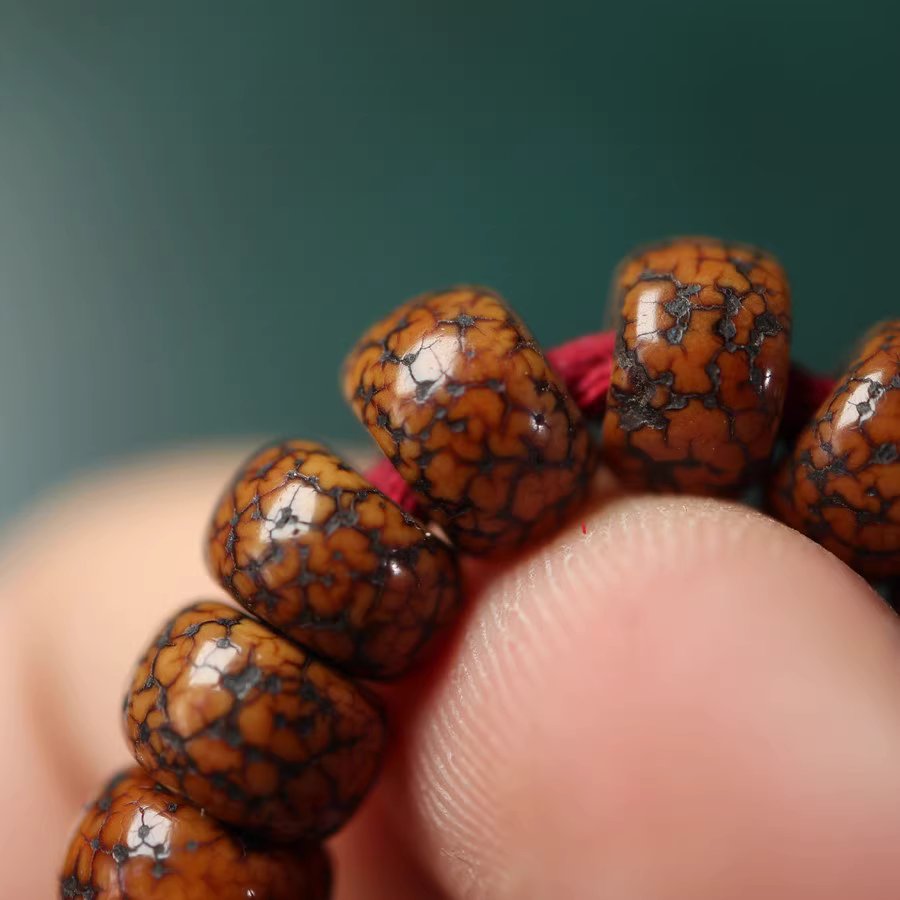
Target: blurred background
{"points": [[203, 204]]}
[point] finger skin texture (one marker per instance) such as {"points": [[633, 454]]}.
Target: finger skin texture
{"points": [[687, 701], [683, 700]]}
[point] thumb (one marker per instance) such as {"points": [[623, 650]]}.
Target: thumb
{"points": [[686, 701]]}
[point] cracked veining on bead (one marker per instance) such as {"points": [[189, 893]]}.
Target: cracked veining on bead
{"points": [[462, 401], [138, 841], [841, 485], [242, 722], [701, 366], [308, 545]]}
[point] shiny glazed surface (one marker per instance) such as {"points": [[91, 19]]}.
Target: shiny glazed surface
{"points": [[841, 485], [701, 366], [228, 713], [461, 399], [138, 841], [307, 544]]}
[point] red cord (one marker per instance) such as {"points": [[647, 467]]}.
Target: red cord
{"points": [[392, 484], [806, 393], [585, 364]]}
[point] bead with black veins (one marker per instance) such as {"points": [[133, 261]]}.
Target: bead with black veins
{"points": [[841, 484], [464, 403], [242, 722], [701, 366], [137, 840], [303, 541]]}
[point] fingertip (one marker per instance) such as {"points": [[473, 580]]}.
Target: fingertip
{"points": [[682, 698]]}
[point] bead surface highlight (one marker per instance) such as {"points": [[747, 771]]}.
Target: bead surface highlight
{"points": [[137, 840], [463, 402], [701, 366], [841, 484], [242, 722], [307, 544]]}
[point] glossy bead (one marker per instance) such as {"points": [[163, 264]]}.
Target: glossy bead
{"points": [[137, 841], [701, 366], [307, 544], [462, 401], [228, 713], [841, 484]]}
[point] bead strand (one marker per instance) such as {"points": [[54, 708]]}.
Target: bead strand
{"points": [[585, 365], [254, 738]]}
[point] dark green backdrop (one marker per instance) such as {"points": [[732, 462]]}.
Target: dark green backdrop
{"points": [[201, 205]]}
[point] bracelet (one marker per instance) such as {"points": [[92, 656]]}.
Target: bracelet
{"points": [[256, 731]]}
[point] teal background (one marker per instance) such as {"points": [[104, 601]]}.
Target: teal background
{"points": [[203, 204]]}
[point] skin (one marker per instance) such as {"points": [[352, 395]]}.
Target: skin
{"points": [[671, 698]]}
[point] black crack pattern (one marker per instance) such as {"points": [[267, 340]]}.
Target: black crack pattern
{"points": [[138, 841], [841, 485], [307, 544], [233, 716], [701, 364], [461, 400]]}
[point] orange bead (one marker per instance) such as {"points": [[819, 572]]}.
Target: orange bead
{"points": [[242, 722], [701, 366], [138, 840], [307, 544], [841, 484], [463, 402]]}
